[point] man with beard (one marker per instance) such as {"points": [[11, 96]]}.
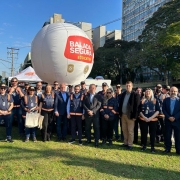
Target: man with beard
{"points": [[171, 110]]}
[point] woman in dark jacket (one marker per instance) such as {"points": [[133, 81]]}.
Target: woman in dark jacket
{"points": [[149, 109], [108, 111]]}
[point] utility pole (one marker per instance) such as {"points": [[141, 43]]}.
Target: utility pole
{"points": [[11, 52]]}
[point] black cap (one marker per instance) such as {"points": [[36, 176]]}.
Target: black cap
{"points": [[70, 86], [83, 82], [3, 86], [104, 84], [26, 83], [166, 87], [31, 88]]}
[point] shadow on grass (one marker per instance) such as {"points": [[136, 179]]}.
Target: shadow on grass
{"points": [[71, 159]]}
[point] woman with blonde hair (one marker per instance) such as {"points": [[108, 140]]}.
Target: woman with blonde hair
{"points": [[109, 108], [149, 109], [46, 109]]}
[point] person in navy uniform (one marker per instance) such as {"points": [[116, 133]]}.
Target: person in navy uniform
{"points": [[101, 95], [56, 87], [30, 105], [60, 110], [109, 108], [6, 105], [160, 124], [26, 87], [171, 110], [83, 89], [39, 91], [117, 96], [149, 110], [46, 108], [17, 94], [75, 113], [91, 105]]}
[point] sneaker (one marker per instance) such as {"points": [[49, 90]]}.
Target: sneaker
{"points": [[71, 141], [143, 148], [153, 150], [10, 140], [80, 142], [26, 140], [34, 139]]}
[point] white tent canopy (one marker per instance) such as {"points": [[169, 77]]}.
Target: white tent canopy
{"points": [[27, 75]]}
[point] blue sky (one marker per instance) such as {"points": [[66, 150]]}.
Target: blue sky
{"points": [[22, 19]]}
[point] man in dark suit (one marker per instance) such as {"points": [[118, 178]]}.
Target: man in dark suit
{"points": [[91, 106], [171, 110], [60, 111], [128, 111]]}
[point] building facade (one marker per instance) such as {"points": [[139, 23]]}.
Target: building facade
{"points": [[135, 13]]}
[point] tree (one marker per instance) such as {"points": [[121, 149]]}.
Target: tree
{"points": [[160, 41]]}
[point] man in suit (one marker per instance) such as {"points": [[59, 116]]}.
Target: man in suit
{"points": [[91, 106], [128, 111], [171, 110], [60, 105]]}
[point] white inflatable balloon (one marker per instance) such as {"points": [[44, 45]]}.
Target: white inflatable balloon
{"points": [[62, 52]]}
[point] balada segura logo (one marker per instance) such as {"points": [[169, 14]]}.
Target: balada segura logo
{"points": [[79, 48]]}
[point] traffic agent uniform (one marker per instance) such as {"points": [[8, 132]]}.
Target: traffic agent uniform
{"points": [[47, 110], [148, 108], [110, 108], [75, 109], [5, 101]]}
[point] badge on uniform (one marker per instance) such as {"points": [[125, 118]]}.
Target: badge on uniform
{"points": [[3, 103], [32, 104]]}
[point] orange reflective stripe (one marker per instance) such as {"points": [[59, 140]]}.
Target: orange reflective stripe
{"points": [[104, 106], [76, 114]]}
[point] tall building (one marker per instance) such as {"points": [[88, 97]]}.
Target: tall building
{"points": [[86, 27], [101, 36], [135, 13]]}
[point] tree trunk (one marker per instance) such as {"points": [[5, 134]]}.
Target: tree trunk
{"points": [[166, 77]]}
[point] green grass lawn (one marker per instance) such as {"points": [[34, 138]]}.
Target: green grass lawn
{"points": [[60, 160]]}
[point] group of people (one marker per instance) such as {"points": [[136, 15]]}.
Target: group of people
{"points": [[156, 112]]}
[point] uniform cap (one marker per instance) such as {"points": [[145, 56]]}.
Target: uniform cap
{"points": [[104, 84], [31, 88]]}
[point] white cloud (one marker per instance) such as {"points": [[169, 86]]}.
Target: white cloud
{"points": [[20, 44]]}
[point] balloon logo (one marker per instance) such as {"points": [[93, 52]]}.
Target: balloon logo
{"points": [[62, 52]]}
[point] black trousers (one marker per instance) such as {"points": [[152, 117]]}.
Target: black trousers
{"points": [[122, 136], [144, 126], [76, 121], [136, 126], [107, 129], [160, 129], [168, 134], [89, 121], [47, 124]]}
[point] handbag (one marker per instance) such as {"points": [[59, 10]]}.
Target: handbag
{"points": [[32, 119]]}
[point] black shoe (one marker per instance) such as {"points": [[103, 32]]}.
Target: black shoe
{"points": [[80, 143], [88, 142], [166, 151], [59, 139], [129, 148], [143, 148], [162, 139], [96, 144], [64, 139], [103, 141], [135, 142], [26, 140], [10, 140], [71, 141], [124, 145], [110, 143], [153, 150]]}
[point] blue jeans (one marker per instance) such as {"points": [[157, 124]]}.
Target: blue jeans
{"points": [[18, 112], [30, 131], [61, 121], [8, 124]]}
